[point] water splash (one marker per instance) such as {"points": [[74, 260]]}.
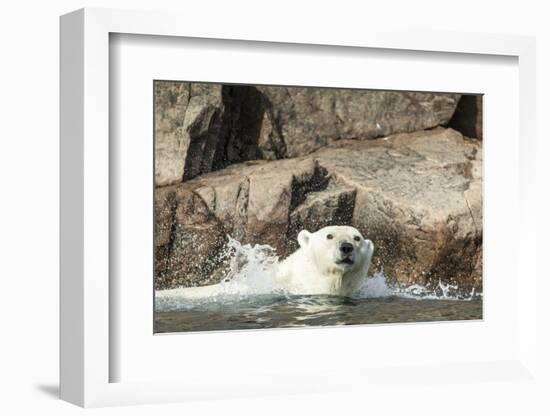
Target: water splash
{"points": [[251, 268], [251, 274]]}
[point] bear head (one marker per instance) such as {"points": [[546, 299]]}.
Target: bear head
{"points": [[336, 249]]}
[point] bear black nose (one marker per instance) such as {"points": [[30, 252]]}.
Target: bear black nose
{"points": [[346, 248]]}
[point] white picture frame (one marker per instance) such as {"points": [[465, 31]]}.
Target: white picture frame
{"points": [[86, 304]]}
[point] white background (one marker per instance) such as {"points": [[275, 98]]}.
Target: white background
{"points": [[29, 209]]}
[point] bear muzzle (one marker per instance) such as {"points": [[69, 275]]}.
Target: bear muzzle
{"points": [[346, 248], [346, 251]]}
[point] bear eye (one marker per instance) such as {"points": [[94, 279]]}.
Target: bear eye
{"points": [[329, 236], [357, 238]]}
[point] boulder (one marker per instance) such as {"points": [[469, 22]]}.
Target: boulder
{"points": [[299, 120], [253, 202], [419, 199], [188, 125], [417, 196], [188, 239], [171, 100], [201, 128]]}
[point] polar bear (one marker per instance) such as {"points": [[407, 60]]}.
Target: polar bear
{"points": [[330, 261]]}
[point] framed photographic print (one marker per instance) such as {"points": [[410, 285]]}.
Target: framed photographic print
{"points": [[273, 204], [277, 213]]}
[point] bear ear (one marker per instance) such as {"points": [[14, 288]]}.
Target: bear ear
{"points": [[370, 246], [303, 238]]}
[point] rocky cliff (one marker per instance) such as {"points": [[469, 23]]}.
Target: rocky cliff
{"points": [[262, 163]]}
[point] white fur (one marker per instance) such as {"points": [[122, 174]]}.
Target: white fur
{"points": [[316, 268]]}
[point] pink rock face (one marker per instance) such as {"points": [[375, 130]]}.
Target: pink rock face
{"points": [[188, 121], [419, 199], [417, 196], [200, 128], [302, 120]]}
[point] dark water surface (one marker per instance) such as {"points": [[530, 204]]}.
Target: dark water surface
{"points": [[299, 311]]}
